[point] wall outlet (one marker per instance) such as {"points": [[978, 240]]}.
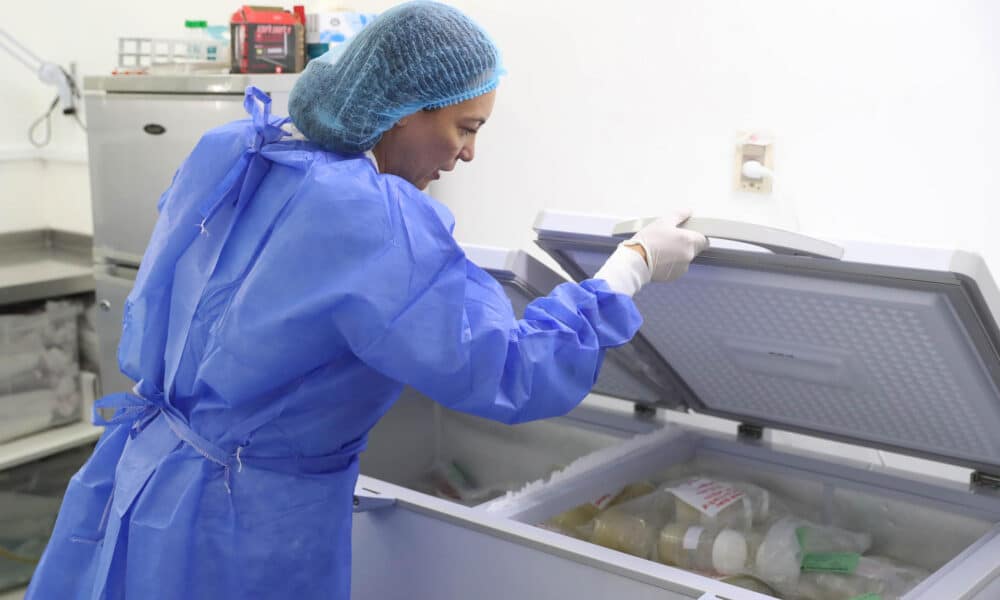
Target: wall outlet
{"points": [[758, 147]]}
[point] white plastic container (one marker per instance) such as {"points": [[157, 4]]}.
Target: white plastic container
{"points": [[335, 27]]}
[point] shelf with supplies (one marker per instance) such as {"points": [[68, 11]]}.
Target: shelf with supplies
{"points": [[46, 443], [44, 263], [37, 266]]}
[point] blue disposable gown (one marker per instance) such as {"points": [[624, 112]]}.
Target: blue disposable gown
{"points": [[286, 297]]}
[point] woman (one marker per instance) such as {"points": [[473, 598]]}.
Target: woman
{"points": [[290, 290]]}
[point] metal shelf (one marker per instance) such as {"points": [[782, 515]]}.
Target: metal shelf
{"points": [[190, 83], [46, 443], [40, 264]]}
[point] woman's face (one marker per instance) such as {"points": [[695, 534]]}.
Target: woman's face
{"points": [[425, 143]]}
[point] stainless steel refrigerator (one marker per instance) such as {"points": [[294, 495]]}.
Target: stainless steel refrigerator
{"points": [[140, 129]]}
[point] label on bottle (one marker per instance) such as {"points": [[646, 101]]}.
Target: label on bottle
{"points": [[605, 500], [709, 497], [691, 537], [843, 563]]}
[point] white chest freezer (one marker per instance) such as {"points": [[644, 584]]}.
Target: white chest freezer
{"points": [[882, 348]]}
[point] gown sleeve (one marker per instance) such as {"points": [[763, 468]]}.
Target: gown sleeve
{"points": [[418, 311]]}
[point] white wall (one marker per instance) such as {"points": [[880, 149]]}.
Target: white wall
{"points": [[883, 112], [885, 115], [55, 192], [19, 209]]}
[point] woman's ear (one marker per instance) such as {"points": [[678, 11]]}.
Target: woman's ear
{"points": [[402, 122]]}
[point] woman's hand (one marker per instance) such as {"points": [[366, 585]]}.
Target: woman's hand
{"points": [[660, 251]]}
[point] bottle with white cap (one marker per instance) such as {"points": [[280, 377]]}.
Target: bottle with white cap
{"points": [[775, 555], [693, 547]]}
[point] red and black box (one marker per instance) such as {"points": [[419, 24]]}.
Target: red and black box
{"points": [[267, 40]]}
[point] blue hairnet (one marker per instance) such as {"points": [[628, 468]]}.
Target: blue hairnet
{"points": [[418, 55]]}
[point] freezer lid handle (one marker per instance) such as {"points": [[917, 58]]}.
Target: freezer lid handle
{"points": [[778, 241]]}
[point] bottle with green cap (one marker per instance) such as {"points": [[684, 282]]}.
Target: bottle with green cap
{"points": [[792, 545], [202, 46], [872, 578]]}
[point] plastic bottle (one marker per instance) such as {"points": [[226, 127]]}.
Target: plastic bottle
{"points": [[633, 490], [693, 547], [779, 558], [774, 555], [633, 526], [220, 35], [874, 575], [570, 521], [576, 521], [202, 46], [750, 505]]}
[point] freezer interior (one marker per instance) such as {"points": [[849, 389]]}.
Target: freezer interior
{"points": [[927, 524], [421, 445]]}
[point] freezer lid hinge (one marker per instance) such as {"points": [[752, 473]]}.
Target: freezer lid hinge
{"points": [[983, 479], [645, 412], [750, 432], [366, 500]]}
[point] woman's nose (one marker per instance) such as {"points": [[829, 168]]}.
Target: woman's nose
{"points": [[468, 152]]}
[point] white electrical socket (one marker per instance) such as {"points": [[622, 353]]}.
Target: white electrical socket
{"points": [[758, 147]]}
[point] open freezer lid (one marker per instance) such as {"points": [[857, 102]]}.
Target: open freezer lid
{"points": [[885, 346], [632, 372]]}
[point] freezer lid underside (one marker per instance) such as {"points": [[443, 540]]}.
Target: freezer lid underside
{"points": [[632, 372], [898, 359]]}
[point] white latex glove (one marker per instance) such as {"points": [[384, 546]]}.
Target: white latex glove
{"points": [[669, 249], [625, 271]]}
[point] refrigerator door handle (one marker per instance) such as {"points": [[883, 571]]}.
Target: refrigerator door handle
{"points": [[778, 241]]}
